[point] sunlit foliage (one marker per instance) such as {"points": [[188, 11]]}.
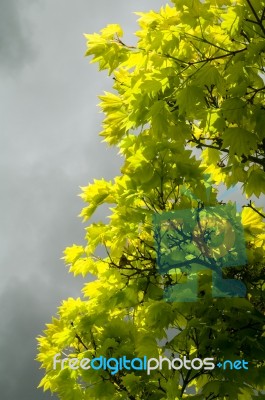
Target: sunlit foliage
{"points": [[194, 79]]}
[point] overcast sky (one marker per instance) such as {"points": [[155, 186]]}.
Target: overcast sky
{"points": [[49, 145], [49, 125]]}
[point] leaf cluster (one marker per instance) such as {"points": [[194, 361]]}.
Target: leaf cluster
{"points": [[193, 83]]}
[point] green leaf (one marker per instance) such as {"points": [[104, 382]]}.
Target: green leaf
{"points": [[190, 99], [233, 110], [239, 141], [255, 183]]}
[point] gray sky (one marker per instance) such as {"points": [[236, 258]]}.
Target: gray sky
{"points": [[49, 126], [49, 145]]}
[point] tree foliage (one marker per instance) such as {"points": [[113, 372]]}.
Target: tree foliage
{"points": [[194, 80]]}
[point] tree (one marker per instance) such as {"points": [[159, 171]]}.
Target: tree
{"points": [[183, 274]]}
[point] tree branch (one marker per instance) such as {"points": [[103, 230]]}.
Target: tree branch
{"points": [[201, 145], [254, 209], [78, 337], [205, 60], [256, 16], [185, 383]]}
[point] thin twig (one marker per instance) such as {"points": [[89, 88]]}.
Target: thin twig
{"points": [[254, 209], [256, 16]]}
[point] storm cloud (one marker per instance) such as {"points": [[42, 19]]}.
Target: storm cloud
{"points": [[49, 147], [16, 48]]}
